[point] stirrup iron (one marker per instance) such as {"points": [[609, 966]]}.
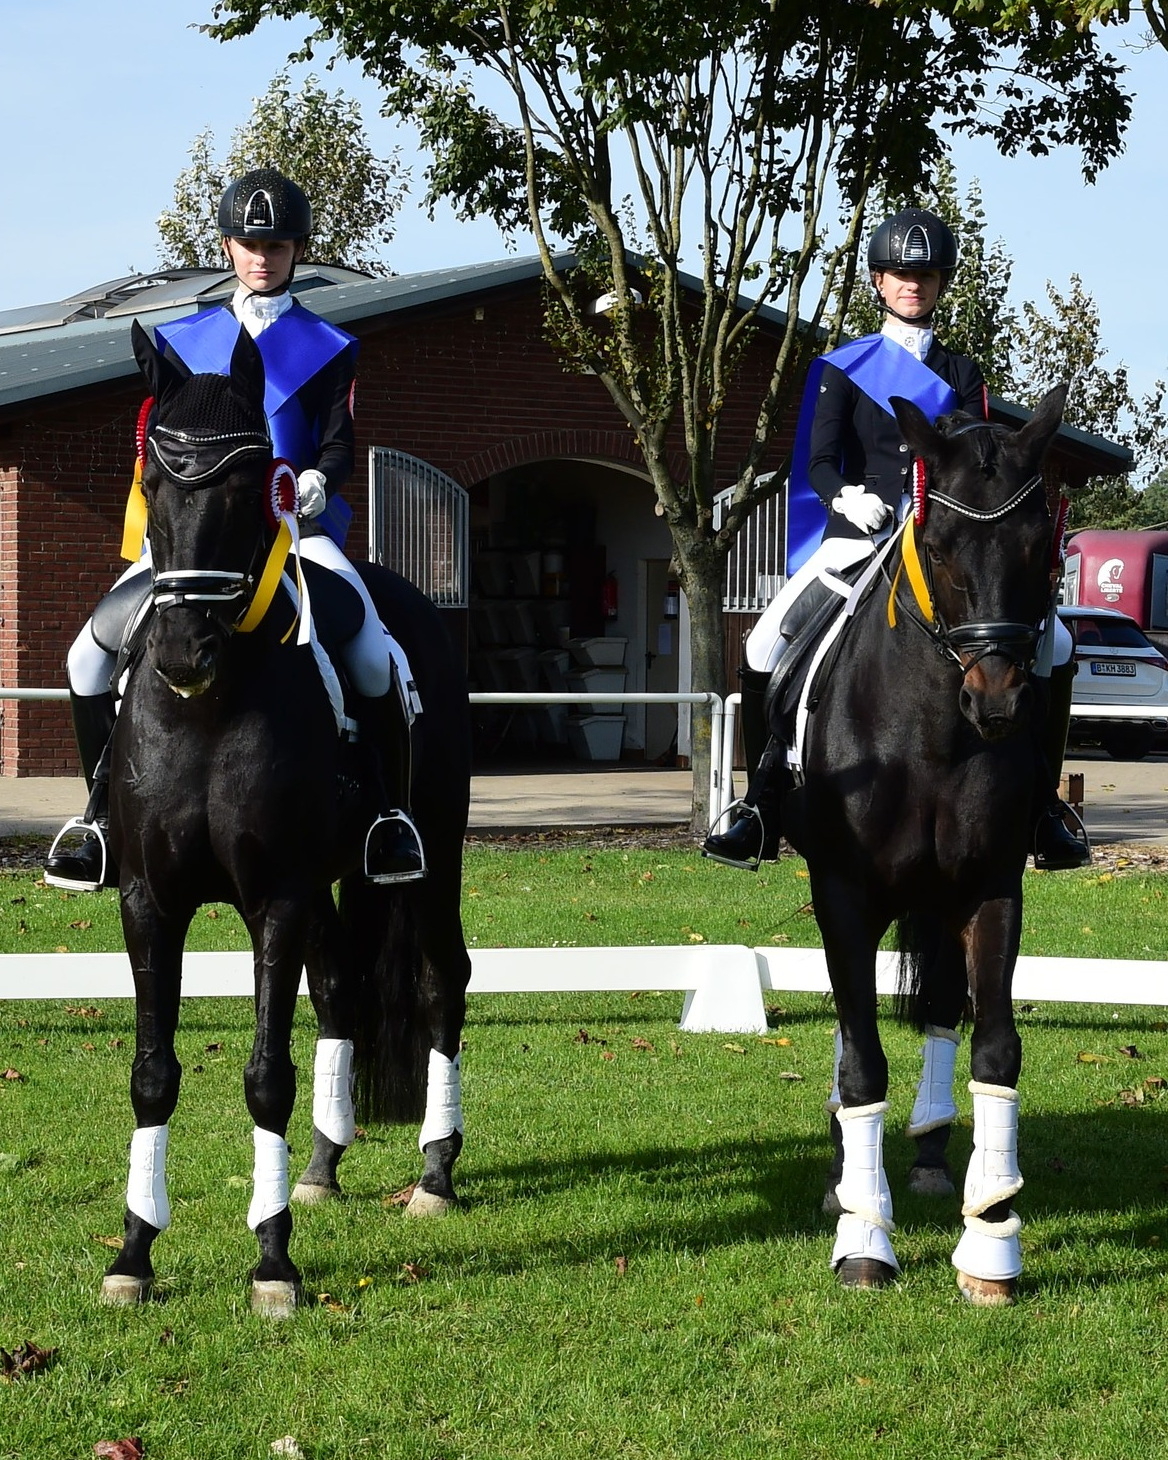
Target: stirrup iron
{"points": [[385, 879], [92, 829], [750, 864]]}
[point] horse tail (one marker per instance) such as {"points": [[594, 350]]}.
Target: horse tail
{"points": [[916, 943], [932, 983], [391, 1038]]}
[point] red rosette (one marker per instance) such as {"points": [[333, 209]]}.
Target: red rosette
{"points": [[920, 492], [283, 494], [140, 429]]}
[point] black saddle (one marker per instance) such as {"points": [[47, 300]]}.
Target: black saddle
{"points": [[806, 622]]}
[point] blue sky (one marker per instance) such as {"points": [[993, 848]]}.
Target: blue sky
{"points": [[99, 104]]}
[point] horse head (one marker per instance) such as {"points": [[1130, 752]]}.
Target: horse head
{"points": [[207, 455], [986, 553]]}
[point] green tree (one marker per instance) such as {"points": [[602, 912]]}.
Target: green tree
{"points": [[318, 140], [737, 139]]}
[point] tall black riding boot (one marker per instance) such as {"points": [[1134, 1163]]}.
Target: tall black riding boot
{"points": [[753, 835], [79, 857], [1056, 849], [393, 846]]}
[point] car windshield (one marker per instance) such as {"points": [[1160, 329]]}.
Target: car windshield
{"points": [[1107, 633]]}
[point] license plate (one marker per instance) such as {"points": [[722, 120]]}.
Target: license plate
{"points": [[1113, 666]]}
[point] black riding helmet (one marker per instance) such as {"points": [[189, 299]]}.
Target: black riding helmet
{"points": [[264, 204], [913, 239]]}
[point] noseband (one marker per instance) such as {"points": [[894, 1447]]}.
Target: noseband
{"points": [[967, 644]]}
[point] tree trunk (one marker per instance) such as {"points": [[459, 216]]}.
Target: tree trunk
{"points": [[703, 581]]}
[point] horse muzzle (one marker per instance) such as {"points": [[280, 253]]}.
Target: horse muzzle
{"points": [[996, 697]]}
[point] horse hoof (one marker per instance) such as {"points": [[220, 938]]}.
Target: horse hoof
{"points": [[274, 1299], [988, 1292], [831, 1203], [865, 1272], [310, 1195], [120, 1291], [428, 1204], [930, 1181]]}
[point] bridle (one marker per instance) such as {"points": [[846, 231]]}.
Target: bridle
{"points": [[964, 644]]}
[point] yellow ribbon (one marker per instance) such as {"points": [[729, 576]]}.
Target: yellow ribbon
{"points": [[910, 564], [134, 525], [269, 580]]}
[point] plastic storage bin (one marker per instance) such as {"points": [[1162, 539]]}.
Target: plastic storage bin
{"points": [[592, 652], [596, 737]]}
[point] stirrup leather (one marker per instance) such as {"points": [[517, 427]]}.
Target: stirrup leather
{"points": [[389, 878], [746, 810], [91, 828]]}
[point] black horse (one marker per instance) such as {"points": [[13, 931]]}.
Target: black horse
{"points": [[916, 809], [233, 779]]}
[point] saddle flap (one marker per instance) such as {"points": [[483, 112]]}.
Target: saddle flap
{"points": [[118, 610]]}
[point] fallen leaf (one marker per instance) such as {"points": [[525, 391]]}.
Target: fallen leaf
{"points": [[326, 1300], [788, 1075], [213, 913], [1130, 1051], [607, 1054], [1085, 1057], [86, 1011], [413, 1272], [130, 1449], [11, 1074], [287, 1446], [1131, 1097], [82, 924], [734, 1048], [117, 1242], [399, 1198], [1155, 1082], [622, 1266], [639, 1043], [28, 1358], [364, 1282], [212, 1048], [61, 948]]}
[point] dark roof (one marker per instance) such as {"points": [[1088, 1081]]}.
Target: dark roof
{"points": [[84, 341]]}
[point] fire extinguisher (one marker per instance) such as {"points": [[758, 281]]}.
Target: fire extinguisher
{"points": [[609, 600], [672, 605]]}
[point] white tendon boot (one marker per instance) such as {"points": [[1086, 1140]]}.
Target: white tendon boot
{"points": [[934, 1105], [833, 1100], [269, 1177], [866, 1202], [991, 1250], [443, 1099], [146, 1188], [332, 1091]]}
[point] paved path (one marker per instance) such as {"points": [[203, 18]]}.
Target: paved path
{"points": [[1126, 801]]}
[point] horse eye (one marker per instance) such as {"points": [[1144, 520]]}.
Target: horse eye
{"points": [[934, 555]]}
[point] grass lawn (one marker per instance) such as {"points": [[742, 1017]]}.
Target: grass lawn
{"points": [[640, 1268]]}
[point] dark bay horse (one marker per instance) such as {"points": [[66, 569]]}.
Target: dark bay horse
{"points": [[231, 781], [916, 810]]}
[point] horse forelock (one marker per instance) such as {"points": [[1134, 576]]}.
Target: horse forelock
{"points": [[203, 428]]}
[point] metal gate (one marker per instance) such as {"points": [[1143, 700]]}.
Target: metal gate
{"points": [[419, 525], [754, 564]]}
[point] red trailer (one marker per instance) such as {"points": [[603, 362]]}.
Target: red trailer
{"points": [[1127, 571]]}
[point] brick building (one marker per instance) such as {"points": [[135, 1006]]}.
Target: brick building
{"points": [[472, 439]]}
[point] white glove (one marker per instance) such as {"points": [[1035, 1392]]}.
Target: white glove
{"points": [[311, 497], [862, 508]]}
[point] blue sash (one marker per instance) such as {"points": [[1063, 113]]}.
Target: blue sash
{"points": [[293, 349], [881, 369]]}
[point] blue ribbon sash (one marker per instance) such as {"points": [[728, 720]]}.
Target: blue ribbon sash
{"points": [[881, 369]]}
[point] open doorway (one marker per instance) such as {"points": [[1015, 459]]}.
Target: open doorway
{"points": [[662, 658]]}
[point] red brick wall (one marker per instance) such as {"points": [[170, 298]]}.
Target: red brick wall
{"points": [[470, 395]]}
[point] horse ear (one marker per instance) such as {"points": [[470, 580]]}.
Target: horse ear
{"points": [[1038, 432], [922, 437], [161, 374], [247, 369]]}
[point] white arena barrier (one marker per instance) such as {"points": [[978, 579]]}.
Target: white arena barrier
{"points": [[723, 984]]}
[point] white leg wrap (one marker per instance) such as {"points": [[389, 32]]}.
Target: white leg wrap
{"points": [[863, 1228], [146, 1188], [990, 1250], [269, 1177], [934, 1105], [443, 1099], [332, 1091], [833, 1100], [993, 1174]]}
